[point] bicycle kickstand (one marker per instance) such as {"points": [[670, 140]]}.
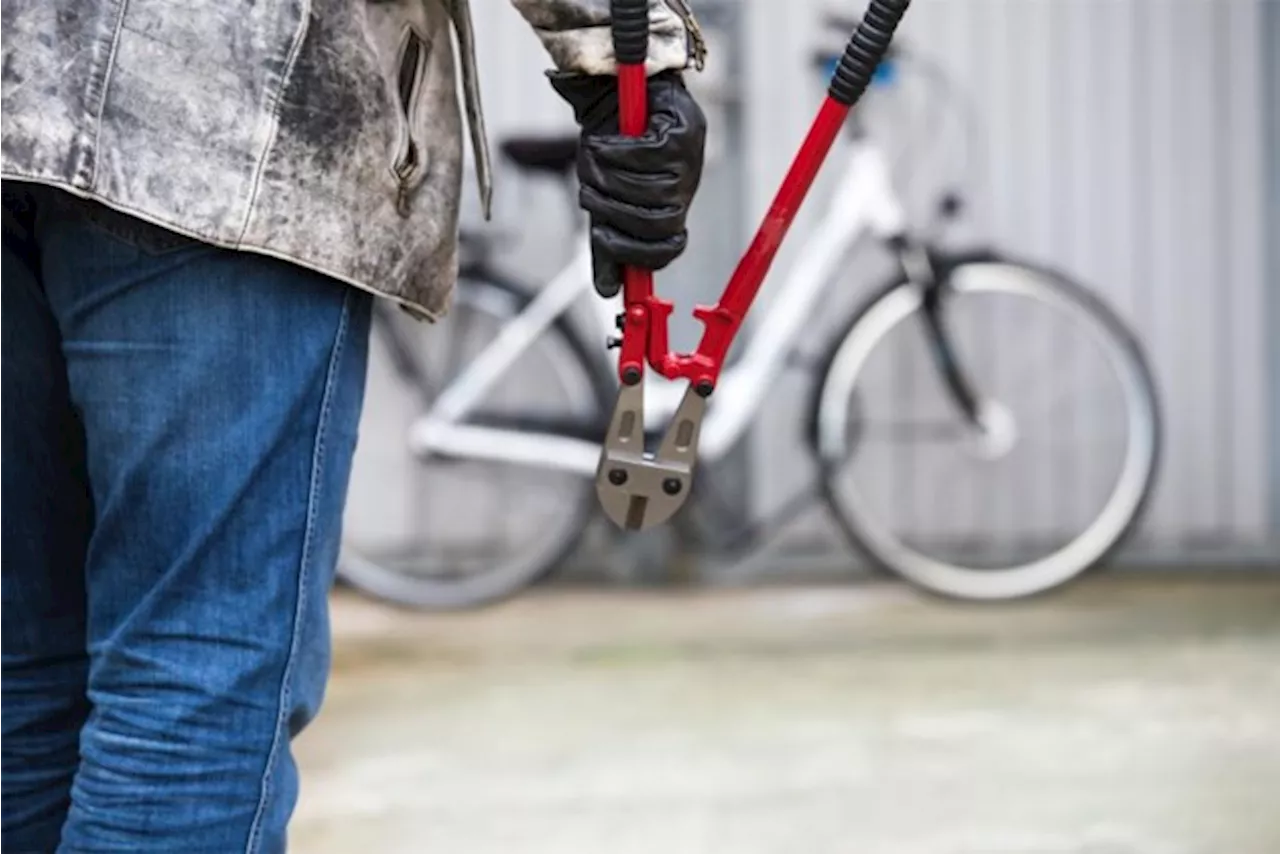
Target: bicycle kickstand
{"points": [[638, 489]]}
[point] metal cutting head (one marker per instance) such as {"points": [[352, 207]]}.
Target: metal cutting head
{"points": [[639, 489]]}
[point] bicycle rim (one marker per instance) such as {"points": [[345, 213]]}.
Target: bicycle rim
{"points": [[1022, 531]]}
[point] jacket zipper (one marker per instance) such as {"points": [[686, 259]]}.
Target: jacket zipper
{"points": [[408, 163], [697, 42]]}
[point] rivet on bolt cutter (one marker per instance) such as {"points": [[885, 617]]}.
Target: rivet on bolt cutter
{"points": [[638, 488]]}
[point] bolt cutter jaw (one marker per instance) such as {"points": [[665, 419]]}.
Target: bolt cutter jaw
{"points": [[639, 489]]}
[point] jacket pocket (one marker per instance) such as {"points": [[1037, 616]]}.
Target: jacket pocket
{"points": [[410, 163]]}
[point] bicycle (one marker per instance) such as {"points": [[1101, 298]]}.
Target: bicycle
{"points": [[946, 316]]}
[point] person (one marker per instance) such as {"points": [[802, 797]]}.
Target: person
{"points": [[201, 201]]}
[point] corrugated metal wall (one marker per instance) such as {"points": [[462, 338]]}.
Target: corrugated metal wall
{"points": [[1271, 144], [1123, 143]]}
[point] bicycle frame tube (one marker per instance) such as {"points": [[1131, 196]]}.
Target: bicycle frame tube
{"points": [[470, 387]]}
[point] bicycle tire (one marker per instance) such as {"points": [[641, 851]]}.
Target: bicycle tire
{"points": [[832, 445], [394, 586]]}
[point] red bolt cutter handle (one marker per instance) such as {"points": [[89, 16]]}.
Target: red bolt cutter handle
{"points": [[631, 48], [644, 333]]}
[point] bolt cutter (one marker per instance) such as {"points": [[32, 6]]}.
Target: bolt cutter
{"points": [[638, 488]]}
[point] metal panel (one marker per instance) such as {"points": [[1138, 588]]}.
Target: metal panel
{"points": [[1124, 145], [1271, 93]]}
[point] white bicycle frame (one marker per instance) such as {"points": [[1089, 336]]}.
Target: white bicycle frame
{"points": [[864, 201]]}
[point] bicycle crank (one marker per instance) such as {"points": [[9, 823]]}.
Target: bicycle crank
{"points": [[638, 489]]}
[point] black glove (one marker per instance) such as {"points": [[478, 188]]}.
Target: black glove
{"points": [[637, 190]]}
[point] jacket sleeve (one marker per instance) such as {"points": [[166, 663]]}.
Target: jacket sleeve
{"points": [[577, 36]]}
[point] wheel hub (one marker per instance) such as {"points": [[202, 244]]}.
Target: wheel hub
{"points": [[996, 432]]}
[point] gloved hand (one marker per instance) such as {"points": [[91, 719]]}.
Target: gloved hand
{"points": [[637, 190]]}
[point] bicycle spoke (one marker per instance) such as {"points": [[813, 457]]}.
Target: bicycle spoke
{"points": [[1059, 399], [902, 432]]}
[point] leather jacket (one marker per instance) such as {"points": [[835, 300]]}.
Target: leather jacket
{"points": [[324, 132]]}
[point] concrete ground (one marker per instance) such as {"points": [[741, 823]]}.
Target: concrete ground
{"points": [[1134, 715]]}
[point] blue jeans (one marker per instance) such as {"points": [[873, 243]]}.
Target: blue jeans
{"points": [[178, 428]]}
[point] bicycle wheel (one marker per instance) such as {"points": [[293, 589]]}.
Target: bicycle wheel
{"points": [[1055, 474], [437, 533]]}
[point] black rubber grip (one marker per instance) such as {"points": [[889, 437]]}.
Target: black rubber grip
{"points": [[630, 30], [866, 48]]}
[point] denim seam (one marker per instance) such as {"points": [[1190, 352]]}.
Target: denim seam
{"points": [[313, 498]]}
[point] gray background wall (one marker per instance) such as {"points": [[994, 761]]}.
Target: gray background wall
{"points": [[1124, 142], [1271, 88]]}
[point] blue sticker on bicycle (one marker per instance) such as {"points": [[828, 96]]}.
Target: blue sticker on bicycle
{"points": [[885, 73]]}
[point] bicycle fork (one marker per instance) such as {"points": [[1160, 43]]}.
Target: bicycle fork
{"points": [[986, 419], [921, 270]]}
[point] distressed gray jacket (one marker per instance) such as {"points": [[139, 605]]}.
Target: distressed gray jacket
{"points": [[324, 132]]}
